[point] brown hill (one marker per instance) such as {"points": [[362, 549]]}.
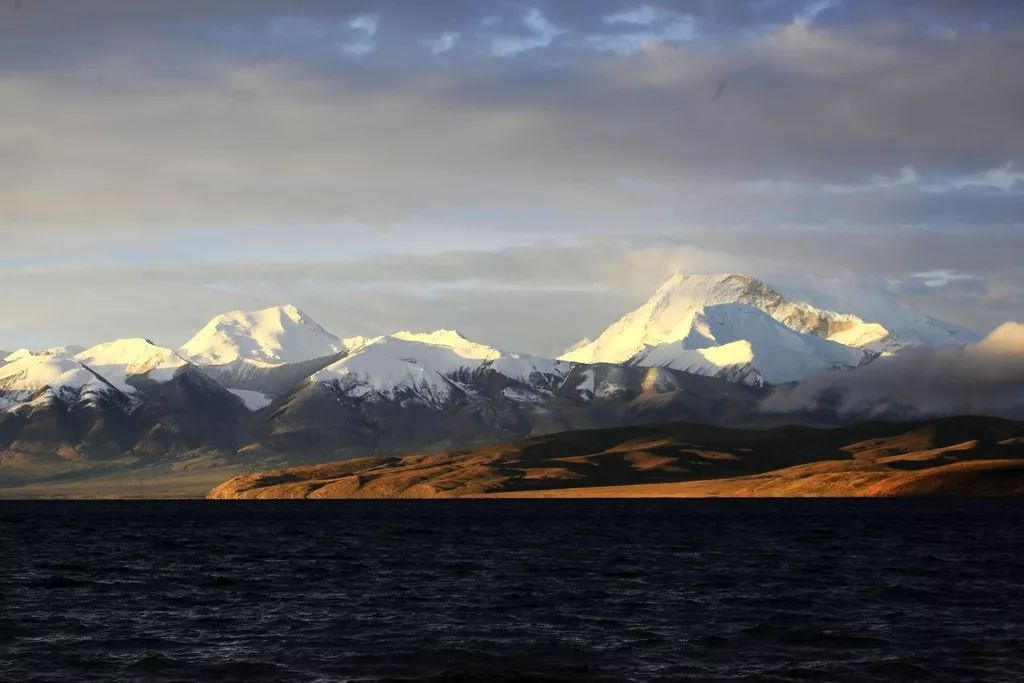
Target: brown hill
{"points": [[951, 456]]}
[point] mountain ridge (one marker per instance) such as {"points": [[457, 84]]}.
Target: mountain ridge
{"points": [[130, 405]]}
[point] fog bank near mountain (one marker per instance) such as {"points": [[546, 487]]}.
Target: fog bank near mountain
{"points": [[982, 378]]}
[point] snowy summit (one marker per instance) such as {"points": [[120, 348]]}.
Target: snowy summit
{"points": [[280, 334], [728, 325]]}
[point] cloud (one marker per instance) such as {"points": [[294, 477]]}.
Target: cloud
{"points": [[942, 278], [366, 23], [811, 12], [982, 378], [366, 26], [170, 132], [1004, 178], [541, 34], [663, 28], [442, 43], [352, 37], [231, 142], [492, 295], [641, 15]]}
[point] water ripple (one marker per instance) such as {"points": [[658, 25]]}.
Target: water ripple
{"points": [[512, 590]]}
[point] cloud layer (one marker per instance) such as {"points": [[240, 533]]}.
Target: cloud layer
{"points": [[853, 139], [986, 378]]}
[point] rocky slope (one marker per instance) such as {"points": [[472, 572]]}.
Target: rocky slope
{"points": [[952, 456]]}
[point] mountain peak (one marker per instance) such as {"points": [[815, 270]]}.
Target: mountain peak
{"points": [[130, 347], [451, 339], [17, 354], [290, 311], [717, 288], [31, 376], [433, 366], [279, 334], [665, 317], [705, 323], [120, 359], [65, 351]]}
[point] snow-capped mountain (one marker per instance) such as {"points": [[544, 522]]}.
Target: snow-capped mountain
{"points": [[274, 384], [123, 398], [739, 328], [743, 343], [434, 366], [893, 323], [280, 334], [439, 390], [28, 378], [123, 360], [727, 325], [115, 371], [908, 327], [66, 351]]}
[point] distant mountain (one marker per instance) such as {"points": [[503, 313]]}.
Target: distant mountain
{"points": [[725, 325], [119, 361], [409, 389], [433, 367], [271, 387], [740, 328], [908, 327], [119, 399], [29, 378], [259, 355], [281, 334], [66, 351]]}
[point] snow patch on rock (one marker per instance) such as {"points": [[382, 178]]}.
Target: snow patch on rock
{"points": [[253, 400]]}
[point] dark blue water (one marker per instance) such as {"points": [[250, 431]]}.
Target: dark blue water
{"points": [[512, 590]]}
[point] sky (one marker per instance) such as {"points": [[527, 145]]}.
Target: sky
{"points": [[523, 171]]}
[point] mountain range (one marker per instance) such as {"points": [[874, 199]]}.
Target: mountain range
{"points": [[274, 387]]}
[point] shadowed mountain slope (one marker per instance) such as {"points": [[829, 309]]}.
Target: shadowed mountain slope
{"points": [[959, 455]]}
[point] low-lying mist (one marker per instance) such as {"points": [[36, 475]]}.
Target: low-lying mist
{"points": [[985, 378]]}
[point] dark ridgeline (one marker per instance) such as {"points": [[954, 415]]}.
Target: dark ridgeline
{"points": [[784, 590]]}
